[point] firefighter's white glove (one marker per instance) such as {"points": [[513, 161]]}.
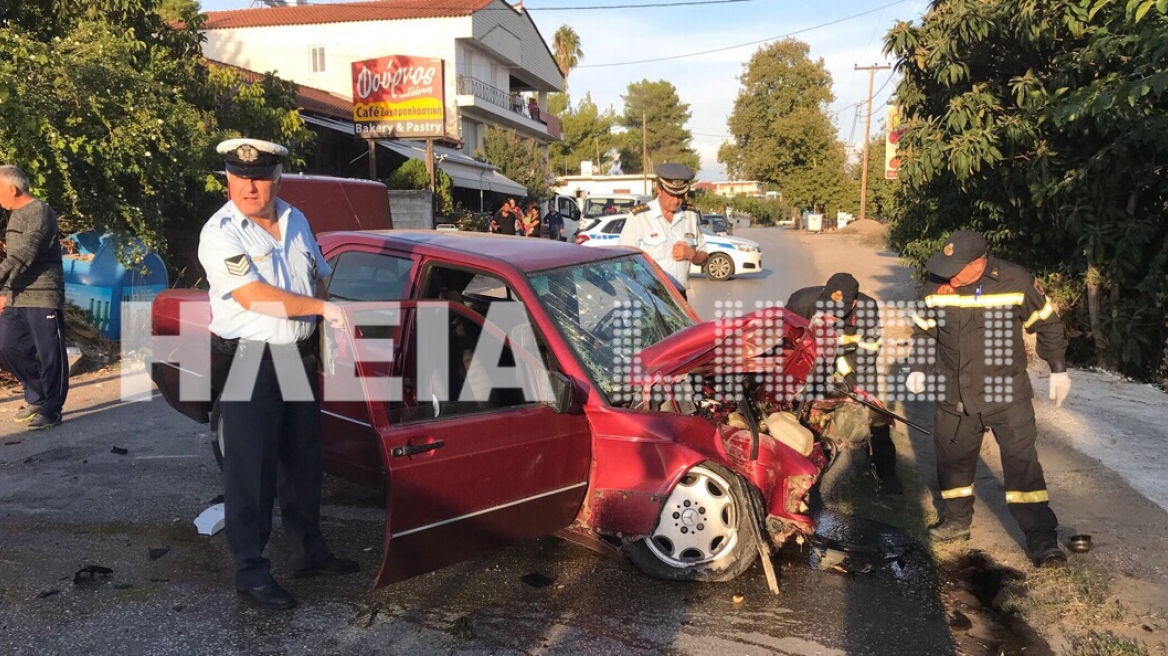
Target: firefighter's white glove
{"points": [[915, 382], [1060, 386]]}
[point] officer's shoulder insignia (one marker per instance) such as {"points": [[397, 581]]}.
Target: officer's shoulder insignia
{"points": [[237, 265], [639, 209], [837, 296], [946, 288]]}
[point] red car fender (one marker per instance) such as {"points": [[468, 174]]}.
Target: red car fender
{"points": [[638, 457]]}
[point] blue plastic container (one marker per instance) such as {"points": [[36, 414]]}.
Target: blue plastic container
{"points": [[99, 284]]}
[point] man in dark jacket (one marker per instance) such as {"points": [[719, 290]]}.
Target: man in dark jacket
{"points": [[855, 317], [32, 328], [968, 338]]}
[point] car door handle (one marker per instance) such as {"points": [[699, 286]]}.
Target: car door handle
{"points": [[415, 449]]}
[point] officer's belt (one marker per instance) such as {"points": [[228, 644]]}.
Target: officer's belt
{"points": [[228, 347]]}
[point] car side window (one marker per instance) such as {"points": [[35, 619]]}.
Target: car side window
{"points": [[469, 389], [369, 277], [615, 227]]}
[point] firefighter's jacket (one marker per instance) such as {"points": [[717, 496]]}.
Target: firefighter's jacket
{"points": [[859, 332], [970, 338]]}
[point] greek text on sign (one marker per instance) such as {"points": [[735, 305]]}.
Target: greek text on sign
{"points": [[399, 97]]}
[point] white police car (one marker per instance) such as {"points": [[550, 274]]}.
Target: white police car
{"points": [[728, 255]]}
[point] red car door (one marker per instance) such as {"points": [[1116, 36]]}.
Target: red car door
{"points": [[467, 477]]}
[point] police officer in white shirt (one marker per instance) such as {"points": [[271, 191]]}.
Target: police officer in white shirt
{"points": [[666, 229], [265, 271]]}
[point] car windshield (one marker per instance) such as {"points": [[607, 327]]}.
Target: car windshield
{"points": [[594, 207], [608, 311]]}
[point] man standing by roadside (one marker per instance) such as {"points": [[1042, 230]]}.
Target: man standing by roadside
{"points": [[666, 229], [976, 307], [32, 326], [855, 317], [265, 271], [506, 219], [553, 221]]}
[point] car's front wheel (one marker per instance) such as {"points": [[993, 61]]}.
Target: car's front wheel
{"points": [[702, 533], [719, 267]]}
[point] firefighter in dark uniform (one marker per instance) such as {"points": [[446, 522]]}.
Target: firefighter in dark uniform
{"points": [[264, 268], [855, 316], [968, 339]]}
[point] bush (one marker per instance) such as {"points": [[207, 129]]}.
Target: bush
{"points": [[413, 175]]}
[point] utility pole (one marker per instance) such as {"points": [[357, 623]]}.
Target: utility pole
{"points": [[644, 156], [867, 136]]}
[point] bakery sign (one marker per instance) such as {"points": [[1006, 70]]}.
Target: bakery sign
{"points": [[399, 97]]}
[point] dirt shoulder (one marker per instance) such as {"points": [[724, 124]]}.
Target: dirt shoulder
{"points": [[1104, 454]]}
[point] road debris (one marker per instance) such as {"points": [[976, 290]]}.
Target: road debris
{"points": [[211, 520], [48, 593], [365, 617], [119, 450], [159, 552], [90, 573]]}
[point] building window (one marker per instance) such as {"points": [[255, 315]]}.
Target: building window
{"points": [[317, 58]]}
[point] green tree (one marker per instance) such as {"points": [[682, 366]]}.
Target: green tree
{"points": [[665, 117], [587, 135], [114, 115], [413, 175], [782, 132], [523, 160], [567, 50], [178, 10], [1044, 125]]}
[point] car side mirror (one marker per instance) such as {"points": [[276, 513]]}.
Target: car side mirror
{"points": [[565, 398]]}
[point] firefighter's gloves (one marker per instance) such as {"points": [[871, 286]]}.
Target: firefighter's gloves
{"points": [[1060, 386], [844, 384], [916, 382]]}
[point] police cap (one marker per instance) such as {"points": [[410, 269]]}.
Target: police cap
{"points": [[961, 248], [841, 289], [675, 178], [251, 158]]}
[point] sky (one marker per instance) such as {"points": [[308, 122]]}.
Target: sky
{"points": [[709, 82]]}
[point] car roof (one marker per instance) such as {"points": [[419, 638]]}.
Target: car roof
{"points": [[526, 255]]}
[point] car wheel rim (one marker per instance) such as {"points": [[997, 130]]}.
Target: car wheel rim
{"points": [[698, 523], [719, 268]]}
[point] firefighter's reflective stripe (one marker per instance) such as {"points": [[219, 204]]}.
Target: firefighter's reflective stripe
{"points": [[957, 492], [842, 366], [1037, 496], [1039, 315], [858, 340], [962, 301], [921, 322]]}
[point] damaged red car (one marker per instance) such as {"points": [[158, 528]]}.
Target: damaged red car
{"points": [[670, 441]]}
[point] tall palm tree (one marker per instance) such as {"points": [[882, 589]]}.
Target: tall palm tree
{"points": [[568, 52]]}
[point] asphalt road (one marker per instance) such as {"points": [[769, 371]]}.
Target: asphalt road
{"points": [[68, 502]]}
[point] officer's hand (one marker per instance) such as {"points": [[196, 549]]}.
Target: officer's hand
{"points": [[334, 315], [915, 382], [1060, 386], [682, 252]]}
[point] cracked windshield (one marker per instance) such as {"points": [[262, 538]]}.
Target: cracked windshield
{"points": [[596, 304]]}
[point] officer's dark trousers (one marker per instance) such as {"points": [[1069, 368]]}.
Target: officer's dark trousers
{"points": [[272, 447], [958, 439], [32, 342]]}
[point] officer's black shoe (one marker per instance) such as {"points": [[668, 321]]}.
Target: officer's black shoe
{"points": [[333, 566], [1049, 556], [270, 596], [944, 531]]}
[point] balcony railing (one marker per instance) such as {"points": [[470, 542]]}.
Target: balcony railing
{"points": [[472, 86]]}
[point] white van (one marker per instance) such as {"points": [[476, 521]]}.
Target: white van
{"points": [[599, 206]]}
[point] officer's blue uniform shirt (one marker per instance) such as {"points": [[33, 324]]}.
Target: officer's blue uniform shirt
{"points": [[234, 251], [650, 232]]}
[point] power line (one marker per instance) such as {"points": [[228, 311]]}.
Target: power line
{"points": [[743, 45]]}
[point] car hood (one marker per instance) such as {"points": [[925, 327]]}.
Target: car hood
{"points": [[732, 241], [769, 341]]}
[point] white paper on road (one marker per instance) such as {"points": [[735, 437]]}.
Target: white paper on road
{"points": [[210, 521]]}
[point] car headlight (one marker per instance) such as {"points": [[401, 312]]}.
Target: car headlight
{"points": [[746, 249]]}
